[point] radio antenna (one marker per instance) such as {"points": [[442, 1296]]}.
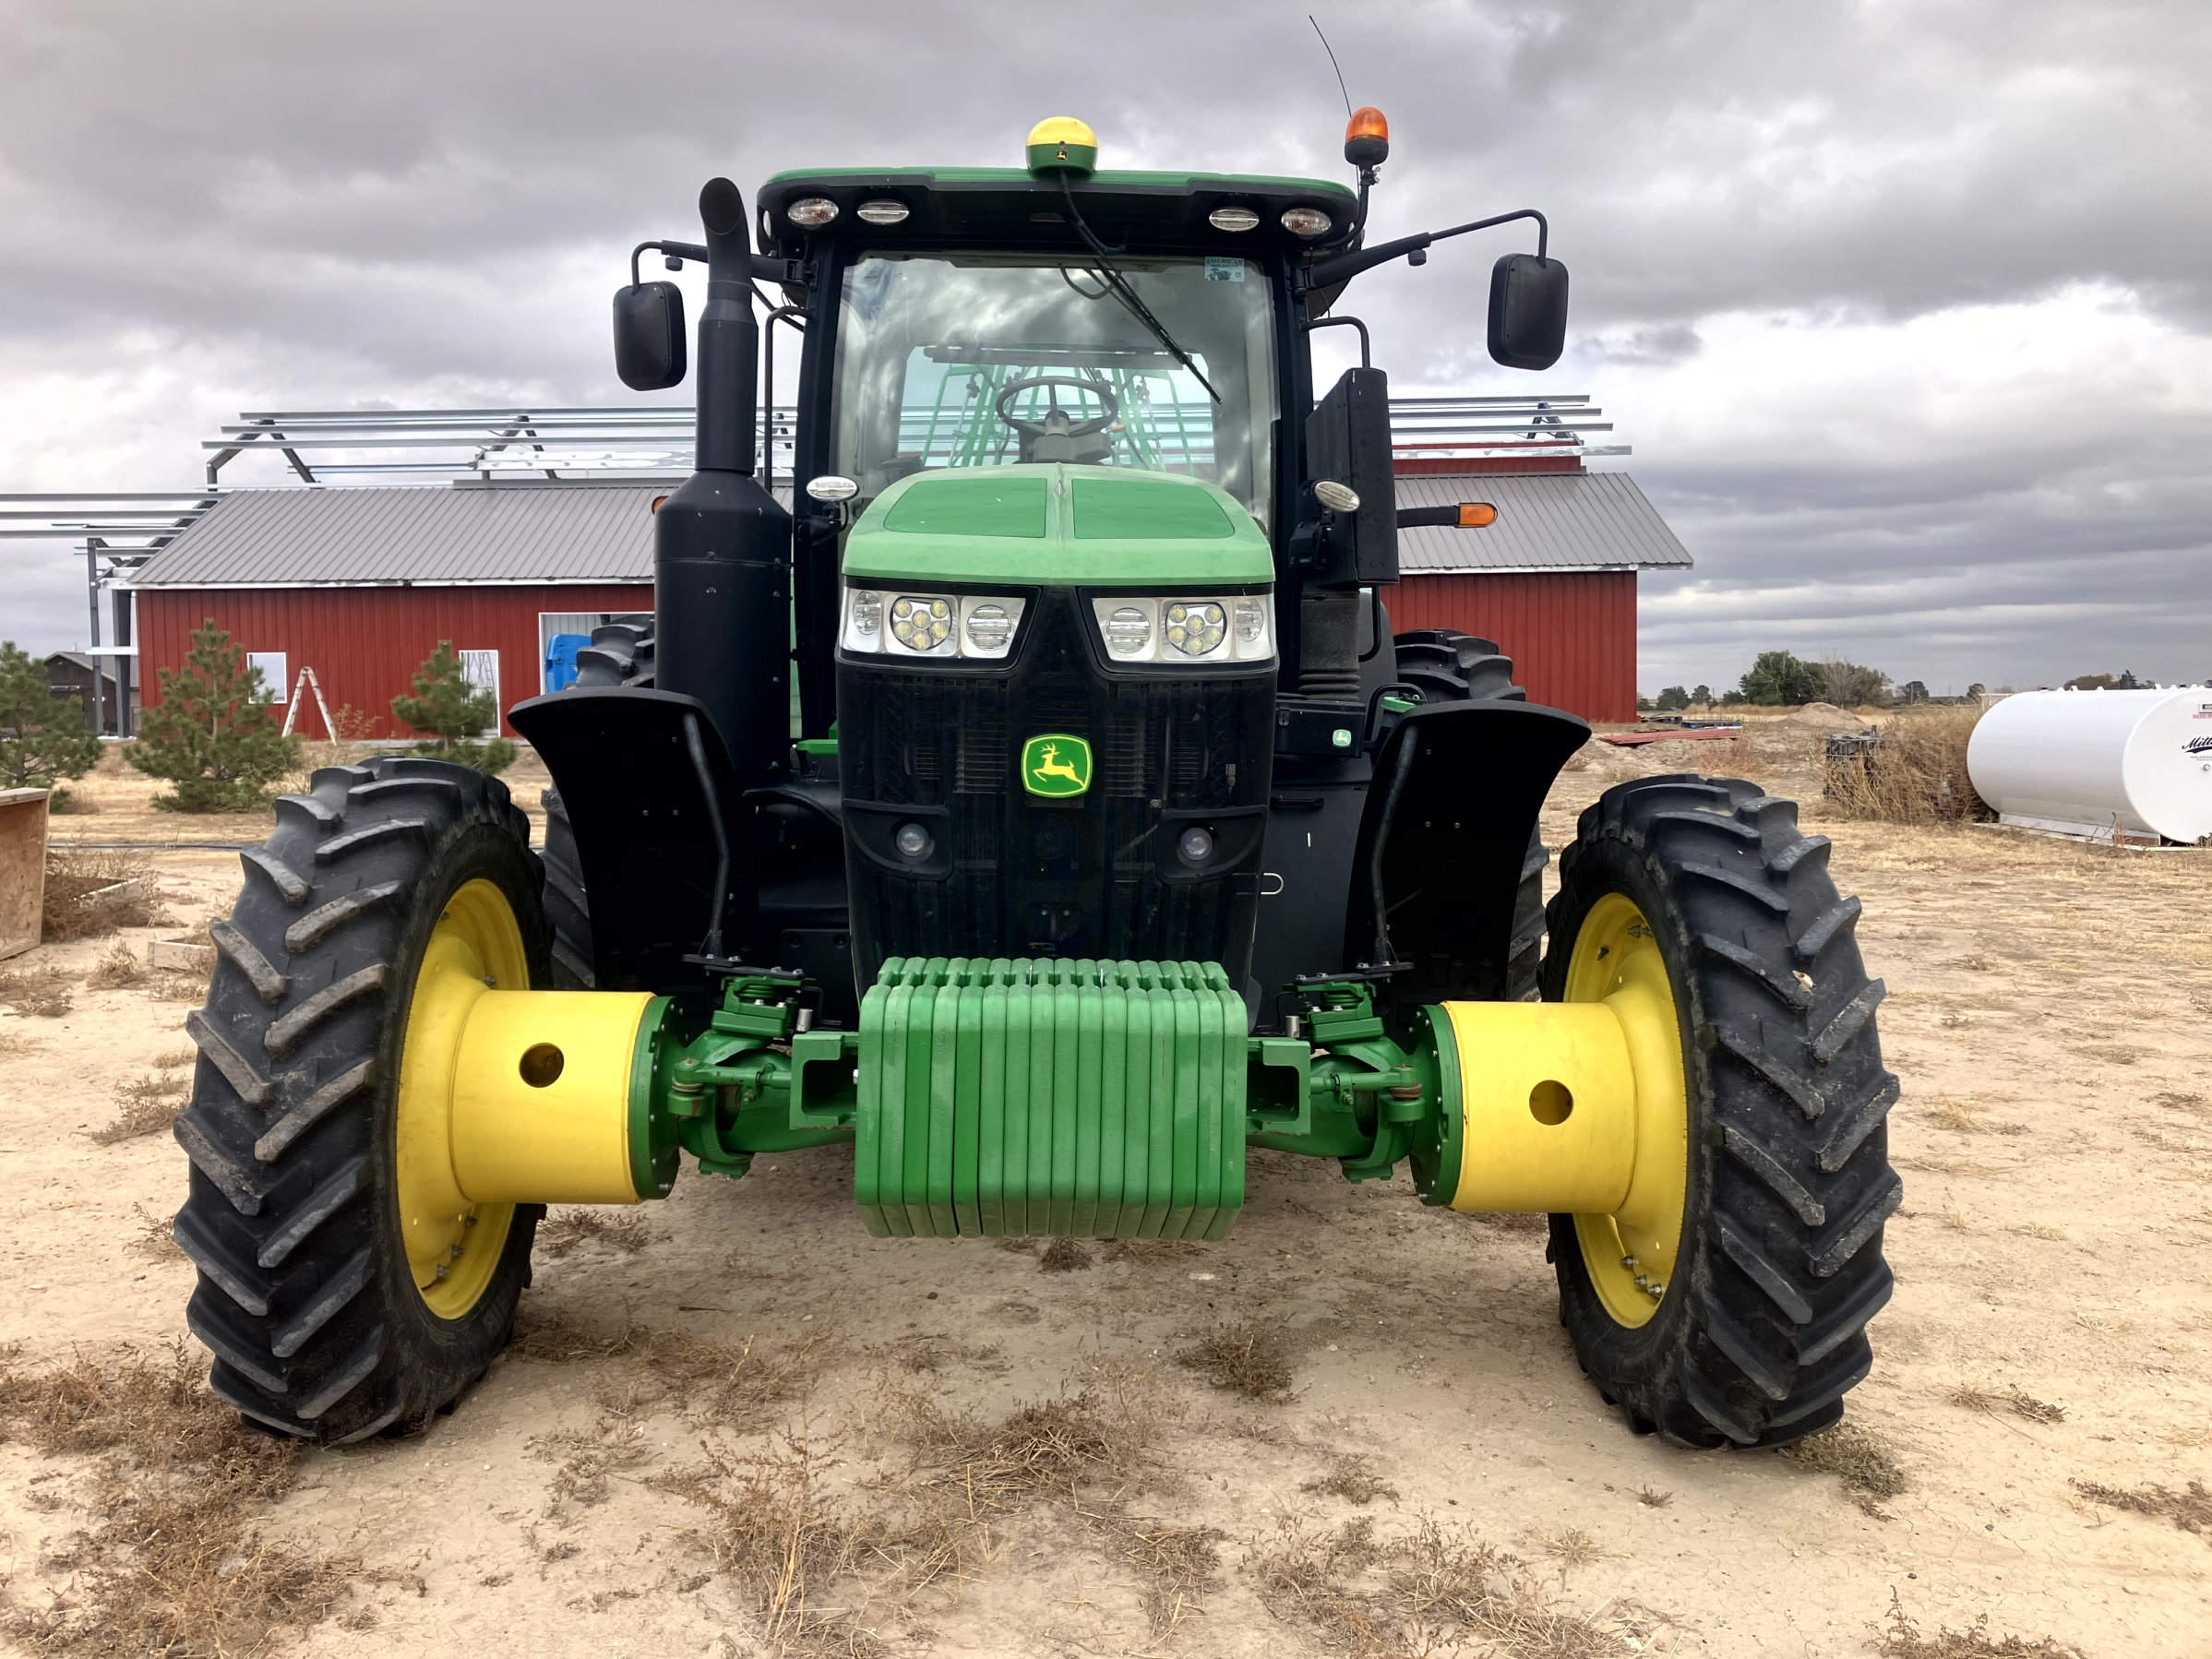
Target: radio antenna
{"points": [[1333, 64]]}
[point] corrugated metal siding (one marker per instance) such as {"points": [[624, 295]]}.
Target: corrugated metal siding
{"points": [[365, 644], [1546, 521], [1572, 636], [451, 533]]}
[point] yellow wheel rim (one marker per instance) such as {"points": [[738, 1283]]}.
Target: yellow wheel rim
{"points": [[453, 1246], [1630, 1254]]}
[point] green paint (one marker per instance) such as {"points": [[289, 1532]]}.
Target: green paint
{"points": [[1146, 509], [1142, 530], [976, 503], [1084, 1099], [1055, 766]]}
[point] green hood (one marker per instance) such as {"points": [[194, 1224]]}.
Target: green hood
{"points": [[1055, 525]]}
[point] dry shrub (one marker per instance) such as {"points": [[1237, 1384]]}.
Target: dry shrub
{"points": [[73, 912], [146, 1107], [1434, 1590], [117, 968], [2190, 1510], [624, 1231], [587, 1461], [1247, 1359], [1901, 1638], [156, 1237], [1914, 771], [1064, 1256], [1864, 1465], [1989, 1403], [16, 1042], [1348, 1481], [171, 1562], [1054, 1448], [172, 1058], [42, 992], [731, 1384]]}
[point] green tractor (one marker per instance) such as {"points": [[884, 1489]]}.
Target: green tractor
{"points": [[1045, 809]]}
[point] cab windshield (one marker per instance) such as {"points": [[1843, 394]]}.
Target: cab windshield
{"points": [[981, 360]]}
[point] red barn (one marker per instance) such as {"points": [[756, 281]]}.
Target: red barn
{"points": [[360, 584]]}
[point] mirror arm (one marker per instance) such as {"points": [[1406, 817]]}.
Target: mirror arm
{"points": [[1344, 266], [1365, 355]]}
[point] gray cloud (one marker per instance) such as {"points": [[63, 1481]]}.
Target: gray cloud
{"points": [[1789, 227]]}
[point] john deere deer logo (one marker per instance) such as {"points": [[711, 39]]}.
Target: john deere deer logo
{"points": [[1055, 765]]}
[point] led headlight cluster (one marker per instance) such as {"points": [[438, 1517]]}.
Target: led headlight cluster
{"points": [[930, 625], [1235, 627]]}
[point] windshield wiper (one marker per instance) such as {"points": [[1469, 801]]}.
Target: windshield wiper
{"points": [[1128, 295]]}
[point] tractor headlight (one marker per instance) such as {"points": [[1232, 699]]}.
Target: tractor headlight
{"points": [[1237, 627], [931, 625], [921, 623], [1196, 629]]}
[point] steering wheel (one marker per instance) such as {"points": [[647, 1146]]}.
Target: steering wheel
{"points": [[1056, 424]]}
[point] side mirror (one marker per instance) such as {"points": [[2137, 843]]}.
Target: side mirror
{"points": [[649, 336], [1528, 311]]}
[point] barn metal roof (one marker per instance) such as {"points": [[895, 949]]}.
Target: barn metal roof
{"points": [[1545, 522], [553, 532]]}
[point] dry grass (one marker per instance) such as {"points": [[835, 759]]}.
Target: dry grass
{"points": [[731, 1385], [1915, 773], [2190, 1509], [1355, 1484], [622, 1230], [41, 993], [170, 1562], [1989, 1403], [146, 1107], [155, 1239], [1652, 1499], [1855, 1456], [1571, 1546], [1901, 1638], [16, 1043], [1434, 1590], [1251, 1360], [587, 1461], [73, 878], [117, 968], [1064, 1256], [1153, 1250]]}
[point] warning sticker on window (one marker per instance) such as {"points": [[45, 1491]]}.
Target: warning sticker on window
{"points": [[1220, 270]]}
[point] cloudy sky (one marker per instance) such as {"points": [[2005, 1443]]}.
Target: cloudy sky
{"points": [[1907, 307]]}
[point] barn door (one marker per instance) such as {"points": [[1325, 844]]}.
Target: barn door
{"points": [[480, 669]]}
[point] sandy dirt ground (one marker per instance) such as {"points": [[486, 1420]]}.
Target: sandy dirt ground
{"points": [[2049, 1013]]}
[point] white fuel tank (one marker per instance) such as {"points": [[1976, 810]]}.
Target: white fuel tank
{"points": [[2090, 763]]}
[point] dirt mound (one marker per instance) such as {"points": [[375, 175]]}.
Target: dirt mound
{"points": [[1829, 717]]}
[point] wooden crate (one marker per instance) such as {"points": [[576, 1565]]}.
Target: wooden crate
{"points": [[22, 868]]}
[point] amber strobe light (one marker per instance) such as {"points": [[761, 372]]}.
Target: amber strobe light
{"points": [[1474, 515], [1367, 137]]}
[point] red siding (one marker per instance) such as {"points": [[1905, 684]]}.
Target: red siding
{"points": [[1572, 636], [366, 643]]}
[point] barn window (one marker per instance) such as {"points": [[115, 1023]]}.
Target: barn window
{"points": [[274, 672], [480, 669]]}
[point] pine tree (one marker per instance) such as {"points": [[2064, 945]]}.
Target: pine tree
{"points": [[214, 733], [452, 711], [42, 737]]}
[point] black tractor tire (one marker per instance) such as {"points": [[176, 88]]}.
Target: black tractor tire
{"points": [[1446, 665], [566, 905], [621, 653], [1762, 1330], [306, 1297]]}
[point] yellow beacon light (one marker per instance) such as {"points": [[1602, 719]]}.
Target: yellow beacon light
{"points": [[1062, 144]]}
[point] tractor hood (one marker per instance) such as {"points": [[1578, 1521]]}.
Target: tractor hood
{"points": [[1056, 525]]}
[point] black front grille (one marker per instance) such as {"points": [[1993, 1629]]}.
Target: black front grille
{"points": [[1012, 874]]}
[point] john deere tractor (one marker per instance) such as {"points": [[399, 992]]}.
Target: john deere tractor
{"points": [[1045, 809]]}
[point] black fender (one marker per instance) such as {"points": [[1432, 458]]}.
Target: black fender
{"points": [[658, 814], [1457, 788]]}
